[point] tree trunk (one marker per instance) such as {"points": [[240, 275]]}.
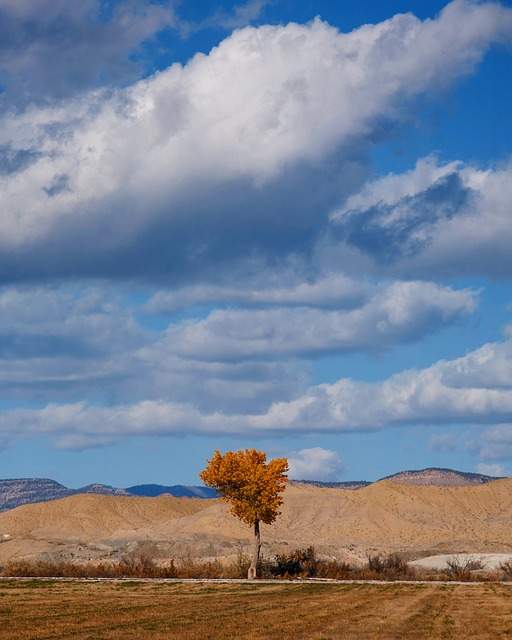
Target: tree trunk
{"points": [[253, 569]]}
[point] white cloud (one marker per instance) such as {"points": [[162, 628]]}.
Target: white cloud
{"points": [[397, 313], [236, 159], [435, 219], [392, 188], [67, 344], [63, 344], [315, 464], [84, 321], [330, 291], [54, 48], [156, 177], [491, 469], [411, 397]]}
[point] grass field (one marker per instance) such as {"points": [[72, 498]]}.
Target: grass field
{"points": [[137, 611]]}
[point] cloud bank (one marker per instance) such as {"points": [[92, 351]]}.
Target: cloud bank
{"points": [[64, 343], [473, 389], [210, 163], [401, 312], [329, 291]]}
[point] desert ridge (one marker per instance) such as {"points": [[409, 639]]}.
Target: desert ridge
{"points": [[346, 524]]}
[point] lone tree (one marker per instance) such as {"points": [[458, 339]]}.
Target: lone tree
{"points": [[251, 486]]}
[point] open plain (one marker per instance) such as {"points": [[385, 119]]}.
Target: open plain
{"points": [[44, 610]]}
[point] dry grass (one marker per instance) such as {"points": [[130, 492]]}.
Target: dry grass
{"points": [[39, 610], [133, 565], [300, 563]]}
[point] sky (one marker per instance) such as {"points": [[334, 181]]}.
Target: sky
{"points": [[275, 224]]}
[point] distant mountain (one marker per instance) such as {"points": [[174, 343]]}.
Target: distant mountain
{"points": [[15, 492], [350, 484], [439, 477], [431, 476], [177, 490], [103, 489]]}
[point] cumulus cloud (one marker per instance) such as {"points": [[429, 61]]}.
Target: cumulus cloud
{"points": [[438, 218], [51, 49], [315, 464], [422, 396], [398, 313], [155, 178]]}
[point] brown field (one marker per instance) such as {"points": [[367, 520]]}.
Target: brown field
{"points": [[138, 611]]}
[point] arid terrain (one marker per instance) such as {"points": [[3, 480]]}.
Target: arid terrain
{"points": [[383, 517], [38, 610]]}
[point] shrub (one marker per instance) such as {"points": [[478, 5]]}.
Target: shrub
{"points": [[335, 570], [190, 568], [506, 569], [128, 567], [460, 568], [240, 566], [376, 564], [390, 567], [301, 562]]}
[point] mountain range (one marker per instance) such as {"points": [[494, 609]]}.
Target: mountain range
{"points": [[19, 491], [16, 492]]}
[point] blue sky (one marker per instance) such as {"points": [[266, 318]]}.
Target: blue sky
{"points": [[269, 223]]}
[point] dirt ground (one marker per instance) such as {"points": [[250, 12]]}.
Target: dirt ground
{"points": [[40, 609]]}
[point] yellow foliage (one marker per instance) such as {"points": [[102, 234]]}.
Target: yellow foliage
{"points": [[248, 483]]}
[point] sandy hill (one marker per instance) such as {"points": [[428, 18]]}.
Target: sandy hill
{"points": [[91, 516], [381, 517], [16, 492]]}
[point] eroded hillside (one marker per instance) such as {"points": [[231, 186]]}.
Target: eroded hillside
{"points": [[385, 516]]}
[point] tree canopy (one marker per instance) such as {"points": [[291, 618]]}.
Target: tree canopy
{"points": [[252, 486]]}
